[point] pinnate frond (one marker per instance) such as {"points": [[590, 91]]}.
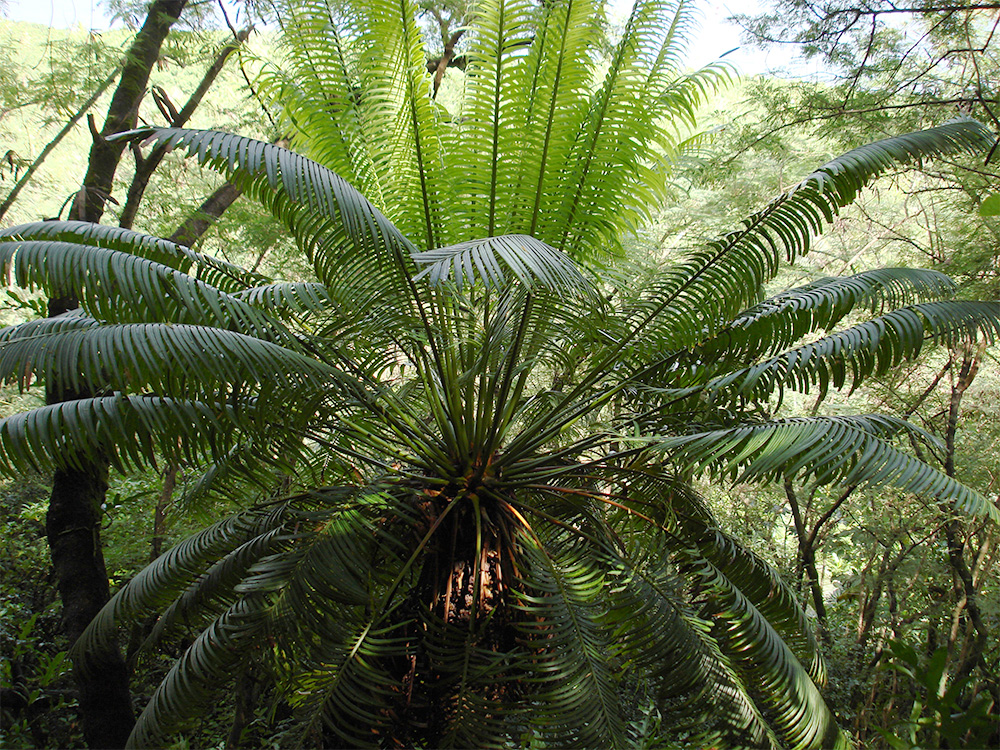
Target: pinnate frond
{"points": [[531, 261], [216, 272], [868, 349], [849, 450], [712, 285]]}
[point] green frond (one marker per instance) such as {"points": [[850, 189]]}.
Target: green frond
{"points": [[361, 258], [637, 115], [696, 687], [531, 261], [166, 578], [126, 431], [298, 297], [193, 361], [216, 272], [210, 662], [868, 349], [360, 103], [785, 318], [117, 286], [491, 120], [555, 77], [762, 586], [789, 697], [563, 627], [714, 284], [848, 450]]}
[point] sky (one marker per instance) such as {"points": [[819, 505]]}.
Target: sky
{"points": [[716, 37]]}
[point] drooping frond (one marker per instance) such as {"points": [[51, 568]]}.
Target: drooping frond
{"points": [[196, 361], [126, 431], [126, 288], [782, 320], [790, 699], [364, 262], [762, 585], [297, 297], [216, 654], [849, 450], [696, 687], [243, 538], [576, 689]]}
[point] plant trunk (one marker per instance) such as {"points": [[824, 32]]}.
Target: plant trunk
{"points": [[467, 590], [954, 529], [145, 167], [807, 557], [207, 214], [123, 111]]}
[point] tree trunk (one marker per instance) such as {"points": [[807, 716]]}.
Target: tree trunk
{"points": [[73, 522], [465, 585], [807, 557], [123, 112], [954, 528], [207, 214], [72, 525]]}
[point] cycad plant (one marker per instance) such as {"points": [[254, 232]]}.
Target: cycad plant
{"points": [[465, 452]]}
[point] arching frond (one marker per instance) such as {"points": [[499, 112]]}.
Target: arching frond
{"points": [[865, 350], [713, 285], [362, 259], [529, 260], [849, 450], [782, 320], [216, 272], [81, 354], [118, 286], [216, 655], [791, 699], [571, 650], [127, 431], [242, 538], [299, 297], [762, 586]]}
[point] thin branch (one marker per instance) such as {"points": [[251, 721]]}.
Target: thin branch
{"points": [[105, 84]]}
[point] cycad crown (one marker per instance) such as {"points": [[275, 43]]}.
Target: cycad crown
{"points": [[473, 455]]}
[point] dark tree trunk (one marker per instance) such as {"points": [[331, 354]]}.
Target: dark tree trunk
{"points": [[466, 589], [954, 529], [145, 167], [207, 214], [73, 522], [73, 525], [807, 559]]}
